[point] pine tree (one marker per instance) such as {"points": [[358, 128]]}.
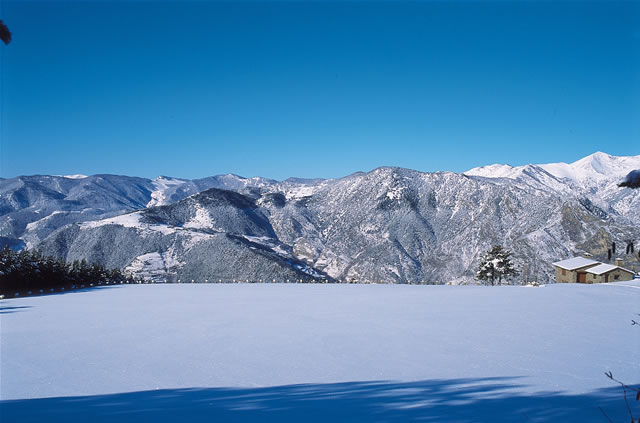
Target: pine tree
{"points": [[27, 271], [496, 265]]}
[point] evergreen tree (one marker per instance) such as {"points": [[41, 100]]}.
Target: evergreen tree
{"points": [[28, 270], [496, 265]]}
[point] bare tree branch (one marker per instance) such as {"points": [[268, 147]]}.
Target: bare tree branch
{"points": [[625, 388], [605, 415]]}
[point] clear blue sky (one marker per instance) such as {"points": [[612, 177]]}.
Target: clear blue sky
{"points": [[314, 89]]}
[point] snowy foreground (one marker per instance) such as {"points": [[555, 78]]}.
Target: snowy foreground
{"points": [[300, 353]]}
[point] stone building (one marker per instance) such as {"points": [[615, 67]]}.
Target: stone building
{"points": [[585, 270]]}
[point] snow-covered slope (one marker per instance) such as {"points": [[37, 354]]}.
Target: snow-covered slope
{"points": [[595, 177], [387, 225], [319, 353], [591, 170], [31, 207], [215, 235], [163, 187], [594, 169]]}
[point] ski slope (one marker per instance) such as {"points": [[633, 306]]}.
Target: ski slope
{"points": [[280, 352]]}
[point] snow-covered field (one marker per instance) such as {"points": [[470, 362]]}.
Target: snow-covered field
{"points": [[279, 352]]}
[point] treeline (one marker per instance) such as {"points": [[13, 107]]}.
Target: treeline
{"points": [[26, 271]]}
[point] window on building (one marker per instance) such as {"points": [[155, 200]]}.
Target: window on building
{"points": [[564, 272]]}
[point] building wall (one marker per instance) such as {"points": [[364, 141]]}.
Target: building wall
{"points": [[571, 276], [564, 276], [591, 278], [621, 274]]}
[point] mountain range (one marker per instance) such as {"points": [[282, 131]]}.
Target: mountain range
{"points": [[387, 225]]}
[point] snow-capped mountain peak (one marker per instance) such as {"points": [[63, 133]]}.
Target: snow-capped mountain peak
{"points": [[597, 168], [389, 224], [604, 165], [594, 178], [493, 171]]}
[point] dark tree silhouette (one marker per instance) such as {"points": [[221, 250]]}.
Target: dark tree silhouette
{"points": [[5, 34], [27, 271], [632, 180]]}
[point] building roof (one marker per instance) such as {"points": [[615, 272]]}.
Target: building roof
{"points": [[601, 268], [605, 268], [575, 263]]}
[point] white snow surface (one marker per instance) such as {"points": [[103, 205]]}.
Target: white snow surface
{"points": [[34, 225], [296, 192], [596, 168], [289, 352], [202, 219], [76, 176], [162, 184], [130, 220], [601, 268], [155, 265], [574, 263]]}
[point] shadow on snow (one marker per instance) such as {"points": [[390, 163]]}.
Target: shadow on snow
{"points": [[7, 310], [459, 400], [11, 295]]}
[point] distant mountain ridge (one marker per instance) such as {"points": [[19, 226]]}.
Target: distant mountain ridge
{"points": [[595, 176], [596, 168], [389, 224]]}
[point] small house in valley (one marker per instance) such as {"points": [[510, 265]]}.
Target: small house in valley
{"points": [[586, 270], [574, 269], [608, 273]]}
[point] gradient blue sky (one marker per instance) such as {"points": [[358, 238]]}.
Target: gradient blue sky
{"points": [[314, 89]]}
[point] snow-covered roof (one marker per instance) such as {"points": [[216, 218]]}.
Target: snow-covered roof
{"points": [[604, 268], [601, 268], [575, 263]]}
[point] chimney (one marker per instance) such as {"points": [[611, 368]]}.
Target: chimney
{"points": [[619, 262]]}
